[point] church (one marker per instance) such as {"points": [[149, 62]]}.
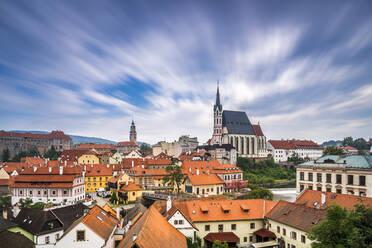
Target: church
{"points": [[235, 128]]}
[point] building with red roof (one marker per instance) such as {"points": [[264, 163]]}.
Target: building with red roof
{"points": [[283, 149]]}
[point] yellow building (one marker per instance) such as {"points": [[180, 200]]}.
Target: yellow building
{"points": [[90, 157], [117, 181], [129, 192], [203, 184], [97, 176]]}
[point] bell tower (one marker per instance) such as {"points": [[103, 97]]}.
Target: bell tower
{"points": [[217, 126], [133, 133]]}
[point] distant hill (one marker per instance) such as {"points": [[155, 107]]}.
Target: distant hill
{"points": [[75, 138], [332, 143]]}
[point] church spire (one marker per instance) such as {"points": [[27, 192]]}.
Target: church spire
{"points": [[218, 103]]}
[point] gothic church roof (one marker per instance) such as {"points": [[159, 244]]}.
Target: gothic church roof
{"points": [[237, 122]]}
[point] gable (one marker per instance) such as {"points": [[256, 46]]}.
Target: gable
{"points": [[177, 215]]}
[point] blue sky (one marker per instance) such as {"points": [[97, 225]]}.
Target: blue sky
{"points": [[303, 69]]}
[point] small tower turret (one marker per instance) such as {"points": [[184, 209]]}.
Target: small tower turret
{"points": [[133, 133], [217, 126]]}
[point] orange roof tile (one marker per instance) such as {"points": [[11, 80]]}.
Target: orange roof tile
{"points": [[294, 144], [95, 170], [52, 135], [126, 143], [100, 222], [153, 230], [312, 198], [205, 179], [96, 146], [130, 187]]}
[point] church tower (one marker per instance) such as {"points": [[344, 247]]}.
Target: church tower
{"points": [[217, 127], [133, 133]]}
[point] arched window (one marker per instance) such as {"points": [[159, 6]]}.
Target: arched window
{"points": [[237, 143], [247, 144], [231, 141]]}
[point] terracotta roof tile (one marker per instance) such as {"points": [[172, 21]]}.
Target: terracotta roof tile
{"points": [[130, 187], [153, 231], [126, 143], [229, 237], [257, 130], [52, 135], [294, 144], [296, 215], [96, 146], [312, 198], [205, 179]]}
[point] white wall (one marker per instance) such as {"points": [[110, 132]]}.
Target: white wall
{"points": [[186, 228], [92, 240], [40, 240]]}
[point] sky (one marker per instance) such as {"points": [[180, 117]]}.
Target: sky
{"points": [[302, 69]]}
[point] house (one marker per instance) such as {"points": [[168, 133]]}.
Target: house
{"points": [[129, 192], [96, 229], [71, 155], [116, 181], [148, 179], [126, 147], [4, 182], [158, 163], [43, 226], [318, 199], [350, 174], [104, 157], [284, 149], [222, 219], [116, 158], [224, 153], [59, 185], [15, 240], [349, 150], [133, 154], [292, 222], [203, 184], [96, 147], [69, 214], [89, 157], [152, 230], [97, 176]]}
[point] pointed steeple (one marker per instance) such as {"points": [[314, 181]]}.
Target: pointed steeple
{"points": [[218, 103]]}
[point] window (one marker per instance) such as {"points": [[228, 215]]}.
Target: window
{"points": [[362, 180], [250, 238], [21, 192], [294, 235], [328, 189], [180, 222], [278, 229], [65, 192], [303, 239], [53, 192], [338, 179], [293, 246], [233, 226], [39, 192], [57, 236], [284, 232], [176, 222], [252, 225], [319, 177], [220, 228], [134, 193], [47, 240], [319, 188], [350, 179], [328, 178], [338, 191], [30, 192], [207, 227], [311, 187], [302, 176], [245, 239], [310, 175], [301, 187], [80, 235]]}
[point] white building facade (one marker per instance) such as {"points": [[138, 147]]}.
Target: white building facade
{"points": [[282, 150]]}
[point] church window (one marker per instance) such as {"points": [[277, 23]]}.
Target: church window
{"points": [[253, 145], [237, 143], [247, 144], [242, 145]]}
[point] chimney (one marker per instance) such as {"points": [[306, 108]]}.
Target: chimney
{"points": [[50, 169], [85, 168], [134, 236], [323, 198], [169, 203], [61, 170], [132, 163], [108, 166], [126, 183], [5, 214], [143, 166], [35, 169], [65, 162], [197, 171]]}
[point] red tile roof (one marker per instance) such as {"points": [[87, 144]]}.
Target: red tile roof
{"points": [[228, 237], [52, 135], [126, 143], [95, 170], [152, 230], [265, 233], [257, 130], [294, 144], [312, 198], [130, 187], [96, 146], [71, 155], [102, 223], [205, 179], [296, 215]]}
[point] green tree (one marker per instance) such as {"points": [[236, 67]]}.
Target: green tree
{"points": [[360, 144], [52, 154], [5, 201], [175, 176], [219, 244], [362, 152], [6, 155], [333, 150], [144, 148], [113, 198], [360, 220], [332, 232], [25, 203], [296, 159], [348, 141], [259, 193], [38, 205]]}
